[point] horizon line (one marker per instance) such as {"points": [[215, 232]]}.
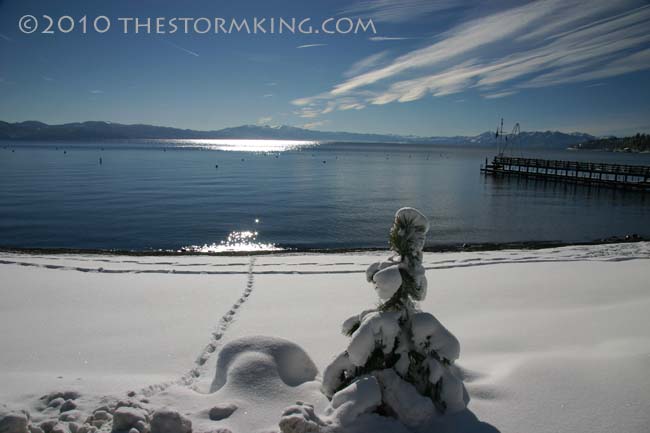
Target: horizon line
{"points": [[403, 135]]}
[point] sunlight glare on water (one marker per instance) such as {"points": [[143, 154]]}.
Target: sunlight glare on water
{"points": [[245, 145], [244, 241]]}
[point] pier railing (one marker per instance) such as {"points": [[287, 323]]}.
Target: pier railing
{"points": [[612, 175]]}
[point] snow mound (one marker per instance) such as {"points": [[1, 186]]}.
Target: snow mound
{"points": [[260, 359], [256, 379]]}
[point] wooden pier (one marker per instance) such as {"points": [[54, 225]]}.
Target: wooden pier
{"points": [[635, 177]]}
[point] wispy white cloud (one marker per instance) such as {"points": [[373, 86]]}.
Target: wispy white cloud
{"points": [[267, 95], [571, 42], [311, 45], [631, 63], [463, 39], [500, 94], [264, 120], [324, 103], [312, 125], [390, 38], [96, 91], [399, 10], [5, 37], [366, 63]]}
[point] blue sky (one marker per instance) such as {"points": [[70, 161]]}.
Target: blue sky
{"points": [[433, 67]]}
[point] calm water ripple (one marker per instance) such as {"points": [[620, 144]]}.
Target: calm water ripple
{"points": [[171, 195]]}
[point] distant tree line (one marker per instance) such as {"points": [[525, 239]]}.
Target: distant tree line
{"points": [[634, 143]]}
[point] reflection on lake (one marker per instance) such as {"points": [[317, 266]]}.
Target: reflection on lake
{"points": [[245, 241], [238, 145], [169, 194]]}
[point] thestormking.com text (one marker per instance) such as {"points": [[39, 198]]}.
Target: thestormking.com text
{"points": [[46, 24]]}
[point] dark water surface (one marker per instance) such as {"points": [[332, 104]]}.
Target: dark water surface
{"points": [[168, 195]]}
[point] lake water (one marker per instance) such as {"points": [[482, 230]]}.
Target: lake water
{"points": [[170, 195]]}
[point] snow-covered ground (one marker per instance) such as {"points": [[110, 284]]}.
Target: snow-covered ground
{"points": [[554, 340]]}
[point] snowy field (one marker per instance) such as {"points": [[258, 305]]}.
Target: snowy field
{"points": [[554, 340]]}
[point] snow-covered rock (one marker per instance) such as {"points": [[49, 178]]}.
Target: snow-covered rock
{"points": [[65, 395], [60, 428], [142, 427], [68, 405], [48, 425], [222, 411], [13, 421], [300, 418], [102, 415], [87, 429], [56, 402], [169, 421], [70, 416], [124, 418]]}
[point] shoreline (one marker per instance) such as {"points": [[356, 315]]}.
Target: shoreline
{"points": [[442, 248]]}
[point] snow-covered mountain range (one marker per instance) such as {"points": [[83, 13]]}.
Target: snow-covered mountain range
{"points": [[99, 130]]}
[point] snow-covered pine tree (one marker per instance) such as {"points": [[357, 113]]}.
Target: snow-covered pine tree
{"points": [[408, 352]]}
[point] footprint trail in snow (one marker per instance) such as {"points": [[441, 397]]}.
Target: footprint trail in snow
{"points": [[198, 369]]}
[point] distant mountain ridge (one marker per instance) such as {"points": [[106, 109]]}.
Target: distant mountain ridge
{"points": [[98, 130], [635, 143]]}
